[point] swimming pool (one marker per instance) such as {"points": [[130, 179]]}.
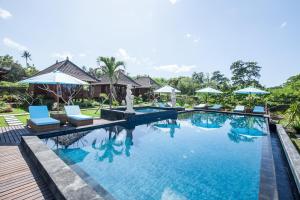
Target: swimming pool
{"points": [[197, 156], [148, 110]]}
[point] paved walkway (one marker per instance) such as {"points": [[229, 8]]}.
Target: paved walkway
{"points": [[11, 120]]}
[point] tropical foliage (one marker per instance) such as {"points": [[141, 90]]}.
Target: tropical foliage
{"points": [[110, 67]]}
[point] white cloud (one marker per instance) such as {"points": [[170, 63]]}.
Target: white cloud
{"points": [[5, 14], [123, 55], [82, 55], [175, 68], [173, 1], [13, 45], [63, 55], [196, 40], [283, 25]]}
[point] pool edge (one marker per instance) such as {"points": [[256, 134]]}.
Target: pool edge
{"points": [[62, 181], [291, 154]]}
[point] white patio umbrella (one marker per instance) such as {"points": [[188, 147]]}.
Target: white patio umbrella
{"points": [[250, 91], [54, 78], [209, 90], [166, 89]]}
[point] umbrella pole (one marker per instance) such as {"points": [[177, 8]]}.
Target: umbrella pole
{"points": [[57, 92]]}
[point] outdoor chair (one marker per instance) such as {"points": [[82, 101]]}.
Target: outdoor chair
{"points": [[215, 107], [259, 110], [239, 108], [201, 106], [40, 121], [162, 105], [76, 118]]}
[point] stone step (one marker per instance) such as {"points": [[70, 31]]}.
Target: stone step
{"points": [[15, 124], [12, 121]]}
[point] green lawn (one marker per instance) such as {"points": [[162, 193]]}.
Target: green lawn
{"points": [[15, 111], [2, 122], [23, 118], [91, 112]]}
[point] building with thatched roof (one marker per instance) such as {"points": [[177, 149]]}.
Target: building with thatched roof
{"points": [[142, 85], [147, 86], [69, 68], [102, 86]]}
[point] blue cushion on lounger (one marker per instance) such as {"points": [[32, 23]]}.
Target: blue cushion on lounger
{"points": [[44, 121], [216, 107], [79, 117], [259, 109], [38, 112], [239, 108]]}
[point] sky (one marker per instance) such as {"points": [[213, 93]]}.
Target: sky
{"points": [[160, 38]]}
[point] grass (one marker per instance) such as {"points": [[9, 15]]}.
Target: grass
{"points": [[23, 118], [296, 142], [2, 122], [15, 111], [91, 112]]}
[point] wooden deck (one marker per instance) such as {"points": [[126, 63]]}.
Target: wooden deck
{"points": [[11, 135], [18, 179]]}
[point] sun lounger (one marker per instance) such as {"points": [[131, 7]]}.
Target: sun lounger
{"points": [[162, 105], [201, 106], [259, 110], [40, 121], [215, 107], [239, 108], [76, 118]]}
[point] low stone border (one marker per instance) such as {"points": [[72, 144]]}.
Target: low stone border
{"points": [[291, 154], [63, 182]]}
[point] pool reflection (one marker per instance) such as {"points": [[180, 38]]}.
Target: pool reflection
{"points": [[246, 128], [208, 121]]}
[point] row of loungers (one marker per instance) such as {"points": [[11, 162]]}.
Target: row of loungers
{"points": [[40, 121], [238, 108]]}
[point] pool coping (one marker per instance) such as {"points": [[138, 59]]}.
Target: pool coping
{"points": [[268, 183], [62, 181], [291, 154]]}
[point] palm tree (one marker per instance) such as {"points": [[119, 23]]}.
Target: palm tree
{"points": [[27, 56], [110, 68]]}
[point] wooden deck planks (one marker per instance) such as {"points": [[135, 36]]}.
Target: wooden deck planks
{"points": [[11, 135], [18, 179]]}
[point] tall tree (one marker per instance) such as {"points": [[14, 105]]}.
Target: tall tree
{"points": [[219, 80], [245, 73], [16, 72], [27, 56], [198, 77], [110, 67]]}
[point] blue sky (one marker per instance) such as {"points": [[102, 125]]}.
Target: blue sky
{"points": [[162, 38]]}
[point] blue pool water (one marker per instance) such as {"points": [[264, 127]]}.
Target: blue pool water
{"points": [[197, 156], [147, 110]]}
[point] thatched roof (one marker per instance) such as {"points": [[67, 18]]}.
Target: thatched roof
{"points": [[69, 68], [146, 82], [123, 79]]}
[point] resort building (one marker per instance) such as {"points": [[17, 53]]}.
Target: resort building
{"points": [[147, 86], [142, 85], [102, 86], [69, 68]]}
